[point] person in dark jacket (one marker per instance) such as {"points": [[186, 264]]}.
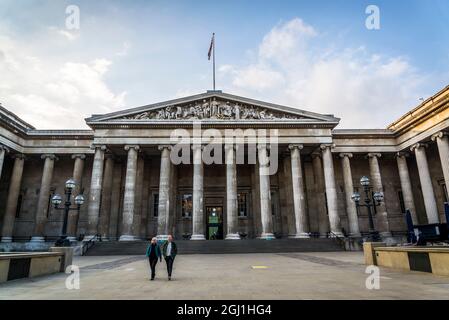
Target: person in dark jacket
{"points": [[169, 251], [153, 254]]}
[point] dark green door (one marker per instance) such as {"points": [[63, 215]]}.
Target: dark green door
{"points": [[214, 223]]}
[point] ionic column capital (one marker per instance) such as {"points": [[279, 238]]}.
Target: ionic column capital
{"points": [[109, 155], [315, 155], [230, 146], [439, 135], [263, 146], [49, 156], [325, 146], [4, 148], [164, 146], [197, 147], [373, 155], [402, 154], [295, 146], [346, 155], [418, 146], [20, 156], [95, 146], [81, 156], [132, 146]]}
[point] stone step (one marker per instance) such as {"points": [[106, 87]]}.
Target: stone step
{"points": [[221, 246]]}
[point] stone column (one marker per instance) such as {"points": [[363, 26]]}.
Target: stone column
{"points": [[299, 196], [289, 207], [406, 185], [265, 193], [231, 194], [3, 151], [426, 183], [163, 218], [105, 212], [351, 209], [442, 140], [93, 209], [331, 190], [320, 200], [44, 193], [376, 182], [198, 231], [78, 169], [130, 194], [13, 196]]}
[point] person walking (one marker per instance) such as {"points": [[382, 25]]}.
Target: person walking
{"points": [[153, 254], [169, 251]]}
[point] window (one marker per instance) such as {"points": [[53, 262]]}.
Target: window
{"points": [[155, 205], [186, 205], [401, 201], [242, 204], [19, 205]]}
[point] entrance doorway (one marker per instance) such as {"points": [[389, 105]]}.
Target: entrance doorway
{"points": [[214, 223]]}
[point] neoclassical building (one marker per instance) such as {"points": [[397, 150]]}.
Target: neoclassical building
{"points": [[295, 182]]}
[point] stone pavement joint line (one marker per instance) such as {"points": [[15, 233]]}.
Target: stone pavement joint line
{"points": [[113, 264]]}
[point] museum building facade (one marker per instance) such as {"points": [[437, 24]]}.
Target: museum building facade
{"points": [[284, 173]]}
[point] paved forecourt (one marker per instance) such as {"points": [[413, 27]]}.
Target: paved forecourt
{"points": [[324, 275]]}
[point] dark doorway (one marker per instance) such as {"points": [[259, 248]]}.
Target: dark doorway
{"points": [[214, 223]]}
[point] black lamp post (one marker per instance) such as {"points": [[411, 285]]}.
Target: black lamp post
{"points": [[370, 204], [57, 200]]}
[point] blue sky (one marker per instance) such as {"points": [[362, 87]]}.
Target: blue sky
{"points": [[314, 55]]}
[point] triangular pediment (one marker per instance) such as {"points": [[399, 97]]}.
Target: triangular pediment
{"points": [[212, 106]]}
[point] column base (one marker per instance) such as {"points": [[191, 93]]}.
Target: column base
{"points": [[127, 238], [267, 236], [232, 236], [355, 235], [6, 239], [302, 235], [198, 237], [37, 239]]}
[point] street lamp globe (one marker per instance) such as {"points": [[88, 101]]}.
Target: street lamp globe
{"points": [[79, 200], [56, 200], [364, 181], [378, 196], [355, 197], [70, 184]]}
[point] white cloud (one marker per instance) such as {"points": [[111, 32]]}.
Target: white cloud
{"points": [[68, 35], [50, 94], [293, 67]]}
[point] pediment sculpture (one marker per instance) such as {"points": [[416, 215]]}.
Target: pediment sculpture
{"points": [[212, 109]]}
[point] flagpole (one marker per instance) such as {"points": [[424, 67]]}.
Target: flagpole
{"points": [[213, 49]]}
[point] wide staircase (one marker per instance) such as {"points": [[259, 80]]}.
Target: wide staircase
{"points": [[108, 248]]}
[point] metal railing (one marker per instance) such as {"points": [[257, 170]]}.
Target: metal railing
{"points": [[89, 244], [341, 241]]}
